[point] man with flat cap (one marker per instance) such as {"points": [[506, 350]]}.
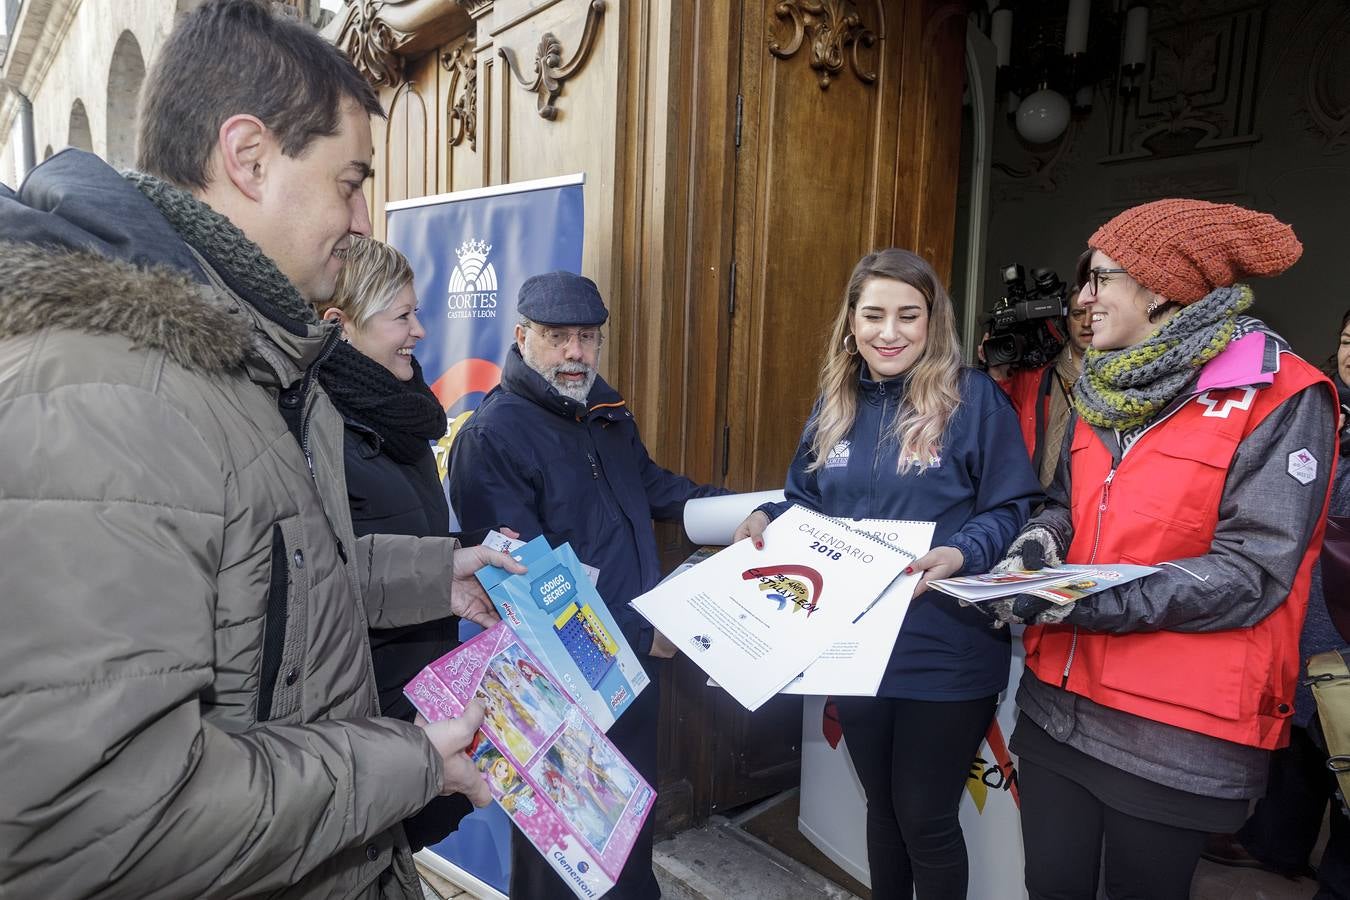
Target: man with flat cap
{"points": [[553, 450]]}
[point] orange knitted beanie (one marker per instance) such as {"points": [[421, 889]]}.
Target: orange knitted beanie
{"points": [[1183, 249]]}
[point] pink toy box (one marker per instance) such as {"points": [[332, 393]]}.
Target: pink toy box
{"points": [[554, 772]]}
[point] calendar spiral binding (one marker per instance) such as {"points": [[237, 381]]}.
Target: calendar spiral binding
{"points": [[854, 529]]}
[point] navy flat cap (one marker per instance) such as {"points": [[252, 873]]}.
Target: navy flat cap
{"points": [[561, 298]]}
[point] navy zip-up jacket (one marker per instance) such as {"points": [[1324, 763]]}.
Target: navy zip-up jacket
{"points": [[979, 493], [540, 463]]}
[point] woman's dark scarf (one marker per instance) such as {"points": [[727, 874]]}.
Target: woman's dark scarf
{"points": [[405, 414]]}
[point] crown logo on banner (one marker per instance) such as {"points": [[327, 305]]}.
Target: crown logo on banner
{"points": [[474, 250], [475, 276]]}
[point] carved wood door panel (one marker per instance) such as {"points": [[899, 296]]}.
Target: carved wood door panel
{"points": [[409, 154]]}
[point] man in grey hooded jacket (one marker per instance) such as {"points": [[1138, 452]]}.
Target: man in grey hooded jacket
{"points": [[186, 691]]}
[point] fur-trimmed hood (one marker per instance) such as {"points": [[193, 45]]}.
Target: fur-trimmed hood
{"points": [[82, 247], [156, 308]]}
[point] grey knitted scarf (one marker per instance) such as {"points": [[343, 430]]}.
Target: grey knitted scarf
{"points": [[236, 259], [405, 414], [1126, 388]]}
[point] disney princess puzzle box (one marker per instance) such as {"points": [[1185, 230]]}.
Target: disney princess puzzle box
{"points": [[547, 764]]}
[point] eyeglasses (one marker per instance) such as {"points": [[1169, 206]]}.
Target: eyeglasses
{"points": [[1094, 279], [557, 338]]}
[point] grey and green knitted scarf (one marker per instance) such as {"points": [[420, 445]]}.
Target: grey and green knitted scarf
{"points": [[1126, 388]]}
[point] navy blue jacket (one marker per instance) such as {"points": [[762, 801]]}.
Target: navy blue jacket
{"points": [[538, 462], [980, 494]]}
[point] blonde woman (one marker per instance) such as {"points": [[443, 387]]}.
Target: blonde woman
{"points": [[902, 430], [391, 419]]}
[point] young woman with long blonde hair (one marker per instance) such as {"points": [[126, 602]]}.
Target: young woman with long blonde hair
{"points": [[901, 430]]}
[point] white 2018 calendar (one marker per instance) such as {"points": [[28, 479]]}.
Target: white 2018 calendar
{"points": [[753, 620], [854, 665]]}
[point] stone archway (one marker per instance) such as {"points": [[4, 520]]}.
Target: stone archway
{"points": [[79, 134], [124, 88]]}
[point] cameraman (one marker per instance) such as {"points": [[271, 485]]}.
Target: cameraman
{"points": [[1041, 394]]}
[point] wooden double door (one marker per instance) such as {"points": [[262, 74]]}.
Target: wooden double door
{"points": [[815, 132]]}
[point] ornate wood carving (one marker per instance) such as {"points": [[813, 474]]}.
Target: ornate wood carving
{"points": [[462, 116], [550, 72], [371, 44], [377, 35], [834, 29]]}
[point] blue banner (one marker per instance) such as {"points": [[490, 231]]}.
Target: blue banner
{"points": [[470, 252]]}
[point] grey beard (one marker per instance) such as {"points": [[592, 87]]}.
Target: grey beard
{"points": [[577, 392]]}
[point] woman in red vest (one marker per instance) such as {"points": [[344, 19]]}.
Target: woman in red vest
{"points": [[1202, 446]]}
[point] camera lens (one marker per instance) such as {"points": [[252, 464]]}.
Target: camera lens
{"points": [[1002, 350]]}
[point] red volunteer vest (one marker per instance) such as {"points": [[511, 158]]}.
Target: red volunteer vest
{"points": [[1162, 503], [1023, 388]]}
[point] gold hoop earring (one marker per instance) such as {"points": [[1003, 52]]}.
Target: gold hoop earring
{"points": [[854, 351]]}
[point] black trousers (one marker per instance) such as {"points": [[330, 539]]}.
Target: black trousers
{"points": [[913, 758], [1064, 828], [532, 878], [1284, 827]]}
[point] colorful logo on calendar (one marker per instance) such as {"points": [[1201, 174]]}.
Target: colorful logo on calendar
{"points": [[789, 587]]}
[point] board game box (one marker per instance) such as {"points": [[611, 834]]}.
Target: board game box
{"points": [[559, 615], [547, 764]]}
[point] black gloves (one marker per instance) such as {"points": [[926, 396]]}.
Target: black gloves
{"points": [[1024, 609]]}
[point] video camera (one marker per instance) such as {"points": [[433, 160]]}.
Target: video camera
{"points": [[1026, 325]]}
